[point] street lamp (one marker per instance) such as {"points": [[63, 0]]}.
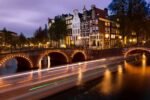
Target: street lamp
{"points": [[79, 41], [107, 36], [120, 37], [130, 40], [79, 37], [47, 44], [134, 40]]}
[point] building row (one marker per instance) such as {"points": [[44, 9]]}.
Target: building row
{"points": [[91, 29], [3, 35]]}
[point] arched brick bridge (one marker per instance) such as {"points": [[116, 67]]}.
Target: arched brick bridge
{"points": [[127, 51], [33, 59]]}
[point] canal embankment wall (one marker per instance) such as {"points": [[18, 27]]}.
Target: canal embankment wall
{"points": [[97, 54]]}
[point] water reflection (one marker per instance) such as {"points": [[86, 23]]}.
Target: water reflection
{"points": [[29, 78], [1, 82], [45, 62], [80, 75], [106, 85], [130, 82], [119, 77], [109, 84], [142, 69], [39, 73], [31, 75], [137, 70], [132, 78], [144, 61], [9, 67], [49, 61]]}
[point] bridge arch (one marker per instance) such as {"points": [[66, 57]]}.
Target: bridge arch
{"points": [[23, 61], [78, 55], [135, 49], [55, 58]]}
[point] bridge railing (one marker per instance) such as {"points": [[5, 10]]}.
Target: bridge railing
{"points": [[8, 51]]}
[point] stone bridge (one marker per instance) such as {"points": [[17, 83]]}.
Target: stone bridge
{"points": [[34, 59], [128, 51]]}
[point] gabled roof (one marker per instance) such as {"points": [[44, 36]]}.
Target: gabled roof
{"points": [[98, 13], [101, 13]]}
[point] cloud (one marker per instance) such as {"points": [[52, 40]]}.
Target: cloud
{"points": [[27, 15]]}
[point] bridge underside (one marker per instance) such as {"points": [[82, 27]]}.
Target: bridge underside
{"points": [[57, 59], [142, 53], [78, 57], [137, 52], [22, 64], [15, 64], [42, 60]]}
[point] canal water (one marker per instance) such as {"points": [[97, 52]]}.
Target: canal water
{"points": [[130, 82]]}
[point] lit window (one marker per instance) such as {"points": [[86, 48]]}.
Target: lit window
{"points": [[105, 23], [113, 36]]}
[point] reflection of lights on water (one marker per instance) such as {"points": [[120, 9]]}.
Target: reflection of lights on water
{"points": [[49, 62], [105, 66], [119, 77], [40, 63], [1, 81], [106, 85], [140, 70], [79, 63], [144, 59], [28, 78], [84, 66], [80, 75], [120, 69], [31, 75], [39, 74], [67, 68], [107, 74], [143, 56]]}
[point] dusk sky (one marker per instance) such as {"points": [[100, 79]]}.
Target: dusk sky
{"points": [[27, 15]]}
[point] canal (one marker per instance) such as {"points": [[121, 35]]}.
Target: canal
{"points": [[130, 82]]}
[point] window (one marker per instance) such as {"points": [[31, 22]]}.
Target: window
{"points": [[107, 24], [96, 28], [113, 36], [107, 30], [96, 22]]}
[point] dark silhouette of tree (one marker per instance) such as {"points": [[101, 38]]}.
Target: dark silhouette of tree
{"points": [[7, 37], [22, 40], [58, 30], [15, 42], [132, 15], [41, 35]]}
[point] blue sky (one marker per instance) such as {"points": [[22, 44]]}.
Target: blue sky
{"points": [[27, 15]]}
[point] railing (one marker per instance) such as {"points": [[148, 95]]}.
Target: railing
{"points": [[8, 51]]}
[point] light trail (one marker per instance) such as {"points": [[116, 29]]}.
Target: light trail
{"points": [[54, 78], [5, 85], [41, 71], [52, 69]]}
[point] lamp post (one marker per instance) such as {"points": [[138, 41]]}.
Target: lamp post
{"points": [[79, 40], [107, 36]]}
